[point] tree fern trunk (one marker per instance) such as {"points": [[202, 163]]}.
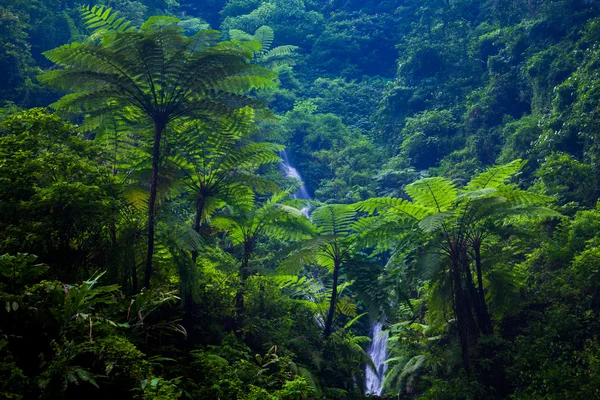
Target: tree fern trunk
{"points": [[331, 312], [158, 130], [197, 223], [462, 308], [240, 308], [485, 318]]}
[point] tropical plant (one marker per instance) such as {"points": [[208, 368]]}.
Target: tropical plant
{"points": [[457, 222], [159, 72], [218, 165], [276, 219], [332, 249], [266, 56]]}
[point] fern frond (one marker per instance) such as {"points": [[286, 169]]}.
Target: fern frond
{"points": [[433, 222], [100, 19], [396, 206], [265, 36], [237, 34], [435, 193], [496, 176], [279, 51], [346, 307], [334, 219]]}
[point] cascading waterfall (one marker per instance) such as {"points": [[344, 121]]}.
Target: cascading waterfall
{"points": [[377, 350], [292, 172]]}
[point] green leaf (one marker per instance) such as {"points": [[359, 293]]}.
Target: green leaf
{"points": [[437, 193], [87, 377], [496, 176]]}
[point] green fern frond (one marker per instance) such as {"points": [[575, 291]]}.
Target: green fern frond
{"points": [[346, 307], [435, 193], [237, 34], [279, 51], [433, 222], [496, 176], [100, 18], [396, 206], [334, 219], [265, 36]]}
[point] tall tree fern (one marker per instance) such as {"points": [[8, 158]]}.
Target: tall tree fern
{"points": [[218, 164], [333, 249], [158, 71], [456, 222], [245, 227]]}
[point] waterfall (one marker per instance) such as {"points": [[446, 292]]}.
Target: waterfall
{"points": [[292, 172], [377, 350]]}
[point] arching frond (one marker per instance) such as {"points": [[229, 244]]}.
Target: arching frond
{"points": [[100, 18], [265, 36], [346, 307], [334, 219], [237, 34], [495, 176], [436, 193], [433, 222], [233, 226], [279, 51], [396, 206]]}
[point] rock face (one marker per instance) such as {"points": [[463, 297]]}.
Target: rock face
{"points": [[377, 350]]}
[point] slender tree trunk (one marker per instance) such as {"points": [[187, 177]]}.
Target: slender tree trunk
{"points": [[240, 308], [134, 279], [331, 312], [462, 307], [459, 310], [483, 323], [158, 130], [485, 318], [197, 223]]}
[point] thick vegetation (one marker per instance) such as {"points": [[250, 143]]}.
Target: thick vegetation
{"points": [[152, 247]]}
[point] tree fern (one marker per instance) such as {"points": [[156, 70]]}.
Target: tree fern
{"points": [[456, 223], [218, 164], [274, 219], [264, 54], [158, 71]]}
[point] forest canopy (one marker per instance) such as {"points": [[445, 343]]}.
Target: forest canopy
{"points": [[297, 199]]}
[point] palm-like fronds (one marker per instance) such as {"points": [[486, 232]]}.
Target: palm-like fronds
{"points": [[100, 18], [334, 219], [265, 55], [435, 193], [218, 164], [496, 176], [273, 218], [456, 222], [158, 72]]}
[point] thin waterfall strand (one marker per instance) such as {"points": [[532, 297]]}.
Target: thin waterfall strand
{"points": [[377, 350], [292, 172]]}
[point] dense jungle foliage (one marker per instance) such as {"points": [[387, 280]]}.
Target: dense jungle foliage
{"points": [[153, 247]]}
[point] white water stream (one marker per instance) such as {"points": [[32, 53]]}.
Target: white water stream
{"points": [[377, 350], [292, 172]]}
